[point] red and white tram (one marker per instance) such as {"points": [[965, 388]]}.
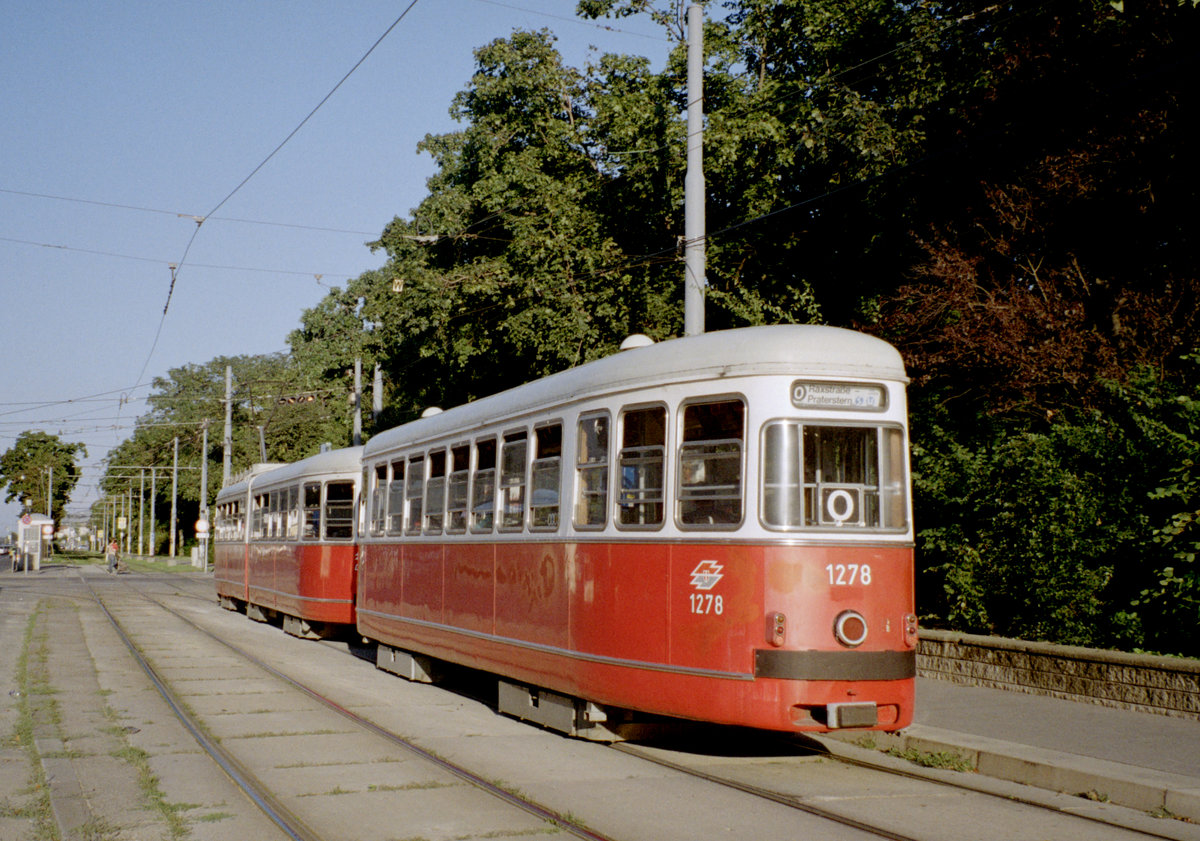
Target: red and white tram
{"points": [[716, 528], [285, 542]]}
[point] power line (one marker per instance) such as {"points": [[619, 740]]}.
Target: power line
{"points": [[119, 256], [200, 219], [184, 215]]}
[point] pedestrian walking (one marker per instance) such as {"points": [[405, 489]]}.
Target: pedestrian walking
{"points": [[113, 556]]}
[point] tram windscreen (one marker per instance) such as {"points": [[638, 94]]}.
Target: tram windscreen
{"points": [[833, 477]]}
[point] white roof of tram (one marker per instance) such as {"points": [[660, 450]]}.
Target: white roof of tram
{"points": [[796, 350], [344, 462]]}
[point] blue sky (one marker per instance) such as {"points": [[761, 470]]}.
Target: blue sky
{"points": [[123, 120]]}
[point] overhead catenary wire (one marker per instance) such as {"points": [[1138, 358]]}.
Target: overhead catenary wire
{"points": [[201, 219]]}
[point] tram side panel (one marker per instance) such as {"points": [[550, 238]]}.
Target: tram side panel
{"points": [[315, 582], [230, 560], [532, 588], [619, 602], [470, 587]]}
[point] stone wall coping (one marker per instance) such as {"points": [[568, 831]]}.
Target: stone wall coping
{"points": [[1071, 652]]}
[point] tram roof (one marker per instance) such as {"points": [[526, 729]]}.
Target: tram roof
{"points": [[346, 460], [789, 349]]}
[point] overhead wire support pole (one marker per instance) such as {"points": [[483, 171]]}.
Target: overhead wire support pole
{"points": [[695, 281], [227, 441]]}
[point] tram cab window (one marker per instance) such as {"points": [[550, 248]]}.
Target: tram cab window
{"points": [[546, 477], [513, 456], [456, 489], [640, 465], [591, 467], [483, 487], [435, 493], [312, 511], [839, 477], [710, 464], [379, 492], [339, 510], [414, 492]]}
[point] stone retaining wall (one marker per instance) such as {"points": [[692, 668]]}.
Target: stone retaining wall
{"points": [[1164, 685]]}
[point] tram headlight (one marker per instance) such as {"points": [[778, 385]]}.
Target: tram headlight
{"points": [[850, 628]]}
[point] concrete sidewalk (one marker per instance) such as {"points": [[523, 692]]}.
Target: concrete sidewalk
{"points": [[1140, 760]]}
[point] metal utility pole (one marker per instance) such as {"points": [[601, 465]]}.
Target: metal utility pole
{"points": [[153, 545], [357, 401], [227, 458], [695, 281], [174, 492], [376, 396], [141, 509], [204, 473]]}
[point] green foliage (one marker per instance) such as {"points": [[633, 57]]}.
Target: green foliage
{"points": [[1079, 532], [970, 181], [39, 464], [297, 411]]}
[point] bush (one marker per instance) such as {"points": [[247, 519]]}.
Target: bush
{"points": [[1082, 531]]}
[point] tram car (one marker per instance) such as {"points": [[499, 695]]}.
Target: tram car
{"points": [[284, 543], [714, 528]]}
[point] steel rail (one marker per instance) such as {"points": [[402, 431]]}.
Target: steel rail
{"points": [[524, 804], [254, 788]]}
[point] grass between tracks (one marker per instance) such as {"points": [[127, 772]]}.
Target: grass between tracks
{"points": [[35, 691], [39, 716]]}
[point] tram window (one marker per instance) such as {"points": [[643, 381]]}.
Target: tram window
{"points": [[339, 510], [512, 480], [379, 500], [710, 464], [546, 477], [395, 498], [257, 524], [640, 463], [782, 502], [435, 493], [456, 489], [312, 510], [415, 484], [293, 511], [483, 486], [273, 529], [591, 506], [833, 476], [361, 512]]}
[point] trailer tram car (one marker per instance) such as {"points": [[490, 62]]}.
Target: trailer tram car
{"points": [[285, 543], [714, 528]]}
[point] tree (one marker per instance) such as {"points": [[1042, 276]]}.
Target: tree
{"points": [[39, 463], [295, 411], [508, 270]]}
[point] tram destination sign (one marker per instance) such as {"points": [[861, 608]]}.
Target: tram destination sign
{"points": [[807, 394]]}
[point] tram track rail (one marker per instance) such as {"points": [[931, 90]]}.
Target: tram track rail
{"points": [[564, 822], [291, 824], [1136, 825]]}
